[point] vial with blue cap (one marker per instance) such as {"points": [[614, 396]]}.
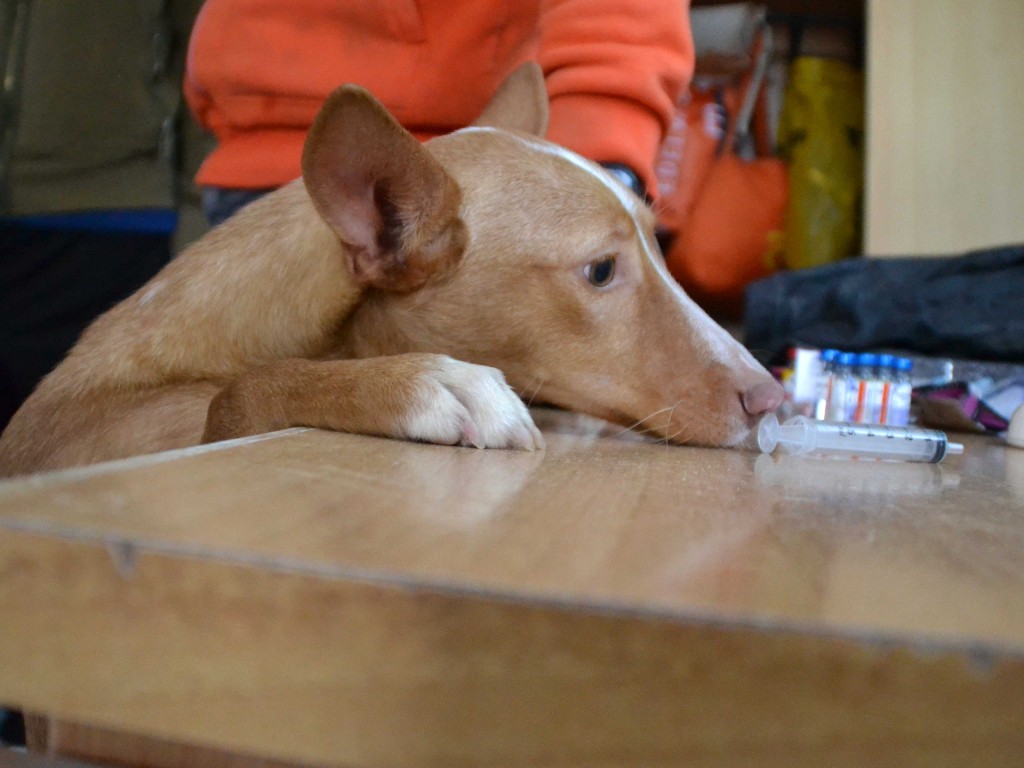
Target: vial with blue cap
{"points": [[868, 397], [843, 387], [900, 395]]}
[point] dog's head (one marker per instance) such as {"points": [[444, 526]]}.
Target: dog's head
{"points": [[496, 247]]}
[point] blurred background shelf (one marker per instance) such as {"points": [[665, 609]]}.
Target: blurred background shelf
{"points": [[945, 119]]}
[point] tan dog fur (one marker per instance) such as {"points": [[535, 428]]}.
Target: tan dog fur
{"points": [[388, 292]]}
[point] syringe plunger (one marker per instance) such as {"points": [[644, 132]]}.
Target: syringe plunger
{"points": [[802, 435]]}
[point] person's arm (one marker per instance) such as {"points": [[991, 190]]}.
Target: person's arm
{"points": [[614, 69]]}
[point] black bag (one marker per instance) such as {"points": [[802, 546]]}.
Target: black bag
{"points": [[970, 306]]}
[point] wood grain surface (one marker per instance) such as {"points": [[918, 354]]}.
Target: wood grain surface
{"points": [[340, 600]]}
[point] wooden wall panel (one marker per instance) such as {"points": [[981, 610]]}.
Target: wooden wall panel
{"points": [[945, 116]]}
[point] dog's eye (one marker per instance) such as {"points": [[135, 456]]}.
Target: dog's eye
{"points": [[600, 272]]}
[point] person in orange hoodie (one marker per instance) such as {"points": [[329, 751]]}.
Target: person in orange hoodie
{"points": [[258, 71]]}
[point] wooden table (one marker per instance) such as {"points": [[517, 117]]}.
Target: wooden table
{"points": [[342, 600]]}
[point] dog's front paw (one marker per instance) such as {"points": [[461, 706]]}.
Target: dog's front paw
{"points": [[466, 404]]}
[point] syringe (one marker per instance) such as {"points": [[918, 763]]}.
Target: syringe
{"points": [[801, 435]]}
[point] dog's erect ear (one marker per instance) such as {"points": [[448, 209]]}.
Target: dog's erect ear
{"points": [[521, 103], [384, 195]]}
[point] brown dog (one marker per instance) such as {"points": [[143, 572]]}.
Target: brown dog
{"points": [[336, 301]]}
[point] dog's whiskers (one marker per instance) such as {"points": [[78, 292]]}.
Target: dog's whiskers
{"points": [[668, 421], [533, 395], [635, 426], [683, 428]]}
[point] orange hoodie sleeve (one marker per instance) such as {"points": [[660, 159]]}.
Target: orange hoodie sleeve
{"points": [[614, 69]]}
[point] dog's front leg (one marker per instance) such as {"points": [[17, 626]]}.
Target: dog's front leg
{"points": [[425, 397]]}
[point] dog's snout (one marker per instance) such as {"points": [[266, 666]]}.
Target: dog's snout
{"points": [[762, 398]]}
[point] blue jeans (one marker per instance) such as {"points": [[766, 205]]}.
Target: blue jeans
{"points": [[221, 203]]}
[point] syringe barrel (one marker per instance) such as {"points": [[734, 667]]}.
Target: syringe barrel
{"points": [[877, 441]]}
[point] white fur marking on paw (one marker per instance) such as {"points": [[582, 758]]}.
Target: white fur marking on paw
{"points": [[471, 405], [438, 418]]}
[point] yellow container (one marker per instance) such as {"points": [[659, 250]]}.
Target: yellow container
{"points": [[821, 136]]}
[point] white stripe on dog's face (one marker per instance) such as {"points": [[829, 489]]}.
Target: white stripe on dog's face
{"points": [[720, 344]]}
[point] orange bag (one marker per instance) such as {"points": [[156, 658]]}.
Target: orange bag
{"points": [[728, 216], [733, 235]]}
